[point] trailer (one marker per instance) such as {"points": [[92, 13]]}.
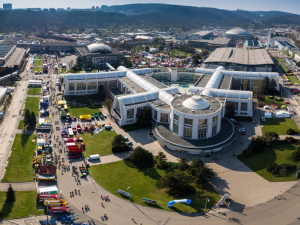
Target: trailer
{"points": [[45, 128], [64, 115], [55, 202], [59, 209], [76, 151], [79, 129], [70, 132], [42, 197]]}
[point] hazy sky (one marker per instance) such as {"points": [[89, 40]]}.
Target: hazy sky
{"points": [[292, 6]]}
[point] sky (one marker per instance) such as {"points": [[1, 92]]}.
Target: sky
{"points": [[291, 6]]}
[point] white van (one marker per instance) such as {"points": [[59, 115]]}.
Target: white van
{"points": [[93, 157]]}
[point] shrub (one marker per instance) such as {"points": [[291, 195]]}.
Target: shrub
{"points": [[141, 157], [271, 97], [291, 131], [272, 168], [120, 148], [290, 140], [296, 156]]}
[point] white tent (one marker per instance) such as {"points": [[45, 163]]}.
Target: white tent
{"points": [[268, 115], [267, 107], [48, 189], [283, 114]]}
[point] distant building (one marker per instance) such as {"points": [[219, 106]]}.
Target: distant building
{"points": [[7, 6], [239, 59], [210, 44], [238, 33], [252, 43], [194, 35], [284, 45], [11, 58], [100, 54]]}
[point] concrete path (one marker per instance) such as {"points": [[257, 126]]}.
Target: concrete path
{"points": [[20, 186]]}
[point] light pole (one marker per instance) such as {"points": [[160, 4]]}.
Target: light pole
{"points": [[207, 200], [130, 193]]}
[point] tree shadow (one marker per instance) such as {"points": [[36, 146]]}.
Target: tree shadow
{"points": [[6, 209]]}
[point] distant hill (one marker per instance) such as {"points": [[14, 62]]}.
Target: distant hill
{"points": [[144, 16]]}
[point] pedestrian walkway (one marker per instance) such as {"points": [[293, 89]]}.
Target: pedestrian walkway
{"points": [[20, 186]]}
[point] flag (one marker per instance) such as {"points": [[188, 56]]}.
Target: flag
{"points": [[197, 90]]}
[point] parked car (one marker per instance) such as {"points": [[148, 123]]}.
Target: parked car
{"points": [[243, 133], [238, 123], [242, 130], [287, 103]]}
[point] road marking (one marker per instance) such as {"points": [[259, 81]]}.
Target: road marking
{"points": [[218, 168]]}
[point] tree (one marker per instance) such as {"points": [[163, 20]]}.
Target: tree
{"points": [[246, 85], [141, 157], [296, 156], [273, 84], [183, 164], [266, 85], [27, 117], [10, 194], [177, 183], [271, 137], [127, 63], [101, 92], [162, 160], [32, 119], [118, 140], [108, 104], [229, 110]]}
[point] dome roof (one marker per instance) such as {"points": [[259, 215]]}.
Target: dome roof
{"points": [[238, 31], [102, 48], [196, 102]]}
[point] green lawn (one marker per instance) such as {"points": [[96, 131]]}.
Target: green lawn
{"points": [[175, 51], [83, 110], [118, 175], [98, 143], [37, 69], [34, 91], [293, 79], [278, 125], [38, 62], [16, 162], [24, 206], [61, 70], [283, 66], [279, 154], [21, 126], [273, 101], [32, 103]]}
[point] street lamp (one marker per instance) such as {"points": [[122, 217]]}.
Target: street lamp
{"points": [[207, 200], [297, 171], [130, 193]]}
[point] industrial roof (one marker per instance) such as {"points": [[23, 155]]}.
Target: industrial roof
{"points": [[5, 49], [86, 76], [15, 58], [240, 56]]}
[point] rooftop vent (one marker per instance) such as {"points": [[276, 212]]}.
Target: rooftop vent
{"points": [[179, 105], [193, 111]]}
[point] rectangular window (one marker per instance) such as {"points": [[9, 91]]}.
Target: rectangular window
{"points": [[92, 85], [175, 128], [164, 117], [130, 113], [244, 114], [81, 86], [203, 122], [215, 119], [202, 133], [214, 129], [140, 110], [244, 106], [71, 87], [187, 132], [155, 114], [176, 117], [188, 121]]}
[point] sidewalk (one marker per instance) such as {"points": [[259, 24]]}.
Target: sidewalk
{"points": [[20, 186]]}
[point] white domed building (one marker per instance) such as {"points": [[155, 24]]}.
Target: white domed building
{"points": [[238, 33], [100, 54]]}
